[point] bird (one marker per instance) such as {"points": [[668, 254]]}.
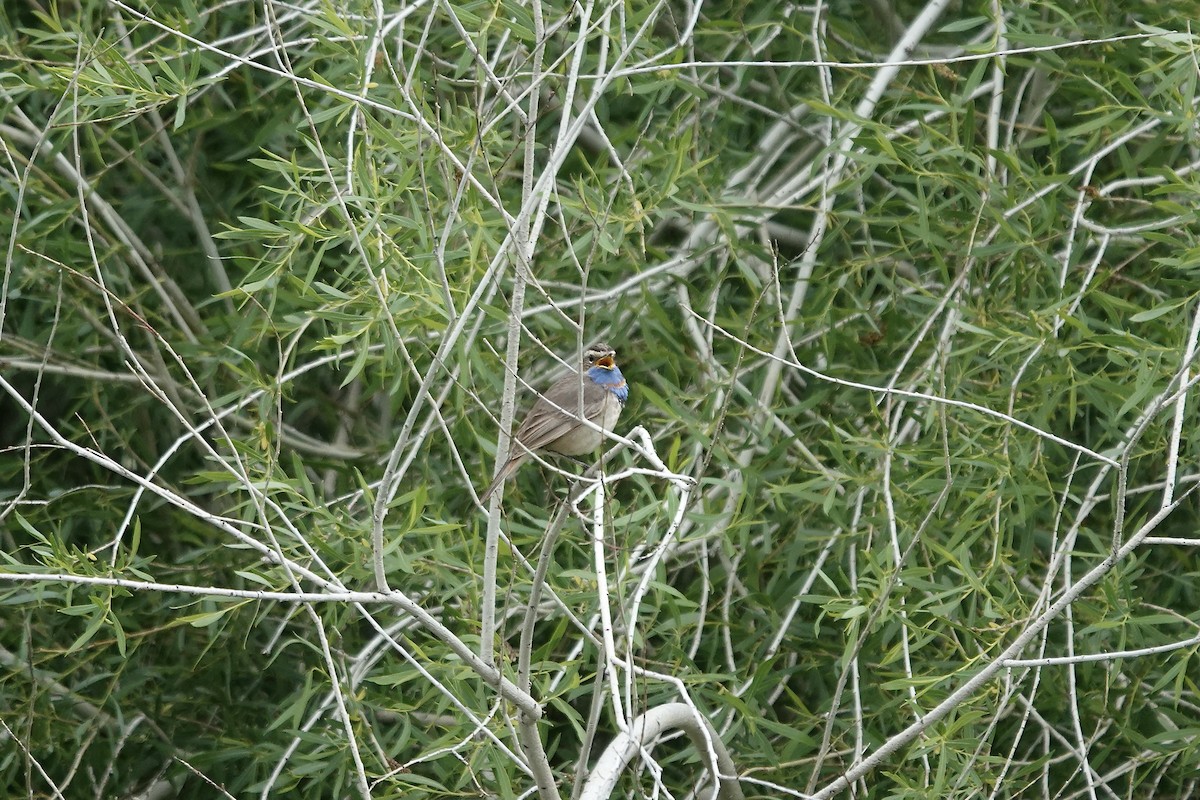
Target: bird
{"points": [[555, 422]]}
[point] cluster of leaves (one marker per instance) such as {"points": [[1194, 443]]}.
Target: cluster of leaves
{"points": [[252, 246]]}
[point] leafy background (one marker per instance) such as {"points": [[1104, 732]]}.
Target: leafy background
{"points": [[909, 291]]}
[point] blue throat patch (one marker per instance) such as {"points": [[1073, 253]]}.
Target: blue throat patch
{"points": [[610, 379]]}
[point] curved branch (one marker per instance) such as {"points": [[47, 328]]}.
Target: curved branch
{"points": [[647, 728]]}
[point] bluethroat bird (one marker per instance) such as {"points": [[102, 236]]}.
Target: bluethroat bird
{"points": [[554, 423]]}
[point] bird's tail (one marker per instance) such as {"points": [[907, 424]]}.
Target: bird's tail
{"points": [[508, 469]]}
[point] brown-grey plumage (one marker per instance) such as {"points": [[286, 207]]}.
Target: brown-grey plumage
{"points": [[555, 421]]}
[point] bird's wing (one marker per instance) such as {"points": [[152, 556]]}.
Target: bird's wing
{"points": [[545, 422]]}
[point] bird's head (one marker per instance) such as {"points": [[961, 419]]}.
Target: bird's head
{"points": [[600, 355]]}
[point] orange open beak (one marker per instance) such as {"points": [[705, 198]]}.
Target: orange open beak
{"points": [[606, 362]]}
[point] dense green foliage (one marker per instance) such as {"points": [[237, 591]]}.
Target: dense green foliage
{"points": [[924, 339]]}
